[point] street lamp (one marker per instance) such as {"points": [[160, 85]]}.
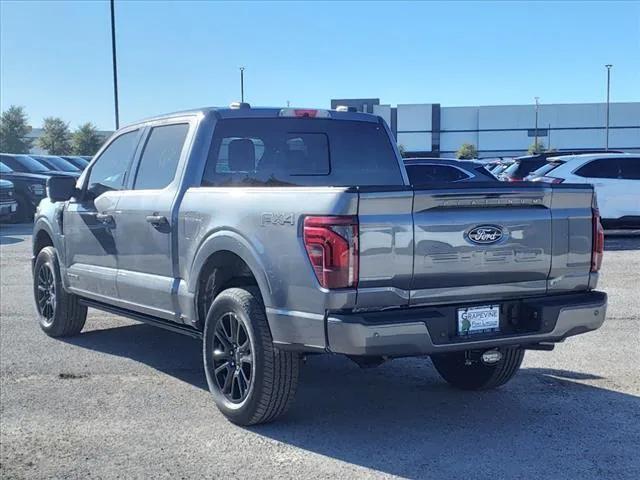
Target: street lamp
{"points": [[114, 63], [242, 84], [608, 66], [536, 130]]}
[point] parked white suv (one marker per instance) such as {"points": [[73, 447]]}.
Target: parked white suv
{"points": [[615, 177]]}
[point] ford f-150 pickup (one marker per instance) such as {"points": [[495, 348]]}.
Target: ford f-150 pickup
{"points": [[276, 233]]}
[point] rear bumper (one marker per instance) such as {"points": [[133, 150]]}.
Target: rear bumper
{"points": [[425, 331]]}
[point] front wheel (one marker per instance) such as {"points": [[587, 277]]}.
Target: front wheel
{"points": [[60, 313], [466, 371], [251, 380]]}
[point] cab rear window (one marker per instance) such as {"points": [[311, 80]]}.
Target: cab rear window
{"points": [[300, 152]]}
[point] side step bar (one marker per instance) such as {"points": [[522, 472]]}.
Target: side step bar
{"points": [[141, 317]]}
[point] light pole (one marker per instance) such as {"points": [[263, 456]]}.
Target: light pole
{"points": [[114, 62], [608, 66], [536, 130], [242, 84]]}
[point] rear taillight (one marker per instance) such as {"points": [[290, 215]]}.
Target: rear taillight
{"points": [[548, 179], [332, 247], [513, 179], [597, 249]]}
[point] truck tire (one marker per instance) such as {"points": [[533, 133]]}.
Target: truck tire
{"points": [[60, 313], [251, 380], [452, 367]]}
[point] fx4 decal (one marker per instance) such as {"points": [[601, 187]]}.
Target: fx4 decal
{"points": [[271, 218]]}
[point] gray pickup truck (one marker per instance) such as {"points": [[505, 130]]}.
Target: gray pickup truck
{"points": [[277, 233]]}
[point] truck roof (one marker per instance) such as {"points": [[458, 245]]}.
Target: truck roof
{"points": [[260, 112]]}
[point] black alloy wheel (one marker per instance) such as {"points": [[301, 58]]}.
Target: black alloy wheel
{"points": [[46, 293], [232, 358]]}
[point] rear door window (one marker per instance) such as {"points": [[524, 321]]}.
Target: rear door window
{"points": [[630, 168], [600, 168], [160, 157], [285, 151]]}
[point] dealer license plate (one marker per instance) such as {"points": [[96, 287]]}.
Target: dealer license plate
{"points": [[482, 319]]}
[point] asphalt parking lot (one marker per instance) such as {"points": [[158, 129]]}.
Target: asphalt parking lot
{"points": [[127, 400]]}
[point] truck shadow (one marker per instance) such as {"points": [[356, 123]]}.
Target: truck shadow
{"points": [[401, 419], [10, 233], [149, 345]]}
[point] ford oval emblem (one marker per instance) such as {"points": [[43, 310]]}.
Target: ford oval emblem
{"points": [[485, 234]]}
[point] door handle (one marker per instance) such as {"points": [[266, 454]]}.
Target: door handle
{"points": [[157, 220], [104, 217]]}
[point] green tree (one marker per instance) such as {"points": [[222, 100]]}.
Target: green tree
{"points": [[13, 131], [86, 140], [55, 138], [535, 148], [467, 151]]}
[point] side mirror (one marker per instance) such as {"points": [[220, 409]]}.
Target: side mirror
{"points": [[61, 189]]}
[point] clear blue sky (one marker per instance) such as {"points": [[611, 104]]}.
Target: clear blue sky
{"points": [[55, 56]]}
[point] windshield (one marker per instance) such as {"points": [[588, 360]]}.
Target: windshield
{"points": [[511, 169], [24, 163], [542, 171], [77, 161], [4, 168], [58, 163]]}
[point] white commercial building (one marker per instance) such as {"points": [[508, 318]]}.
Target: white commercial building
{"points": [[506, 130]]}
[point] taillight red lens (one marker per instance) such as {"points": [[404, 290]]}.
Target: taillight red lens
{"points": [[553, 180], [597, 250], [305, 112], [332, 247]]}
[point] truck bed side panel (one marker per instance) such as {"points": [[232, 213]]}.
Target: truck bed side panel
{"points": [[263, 225]]}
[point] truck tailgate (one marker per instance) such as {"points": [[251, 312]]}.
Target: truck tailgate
{"points": [[473, 243]]}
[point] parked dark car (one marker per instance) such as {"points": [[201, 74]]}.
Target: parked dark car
{"points": [[58, 164], [27, 164], [8, 203], [438, 170], [76, 160], [29, 189]]}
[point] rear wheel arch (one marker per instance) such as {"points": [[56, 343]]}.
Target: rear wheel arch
{"points": [[220, 270]]}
